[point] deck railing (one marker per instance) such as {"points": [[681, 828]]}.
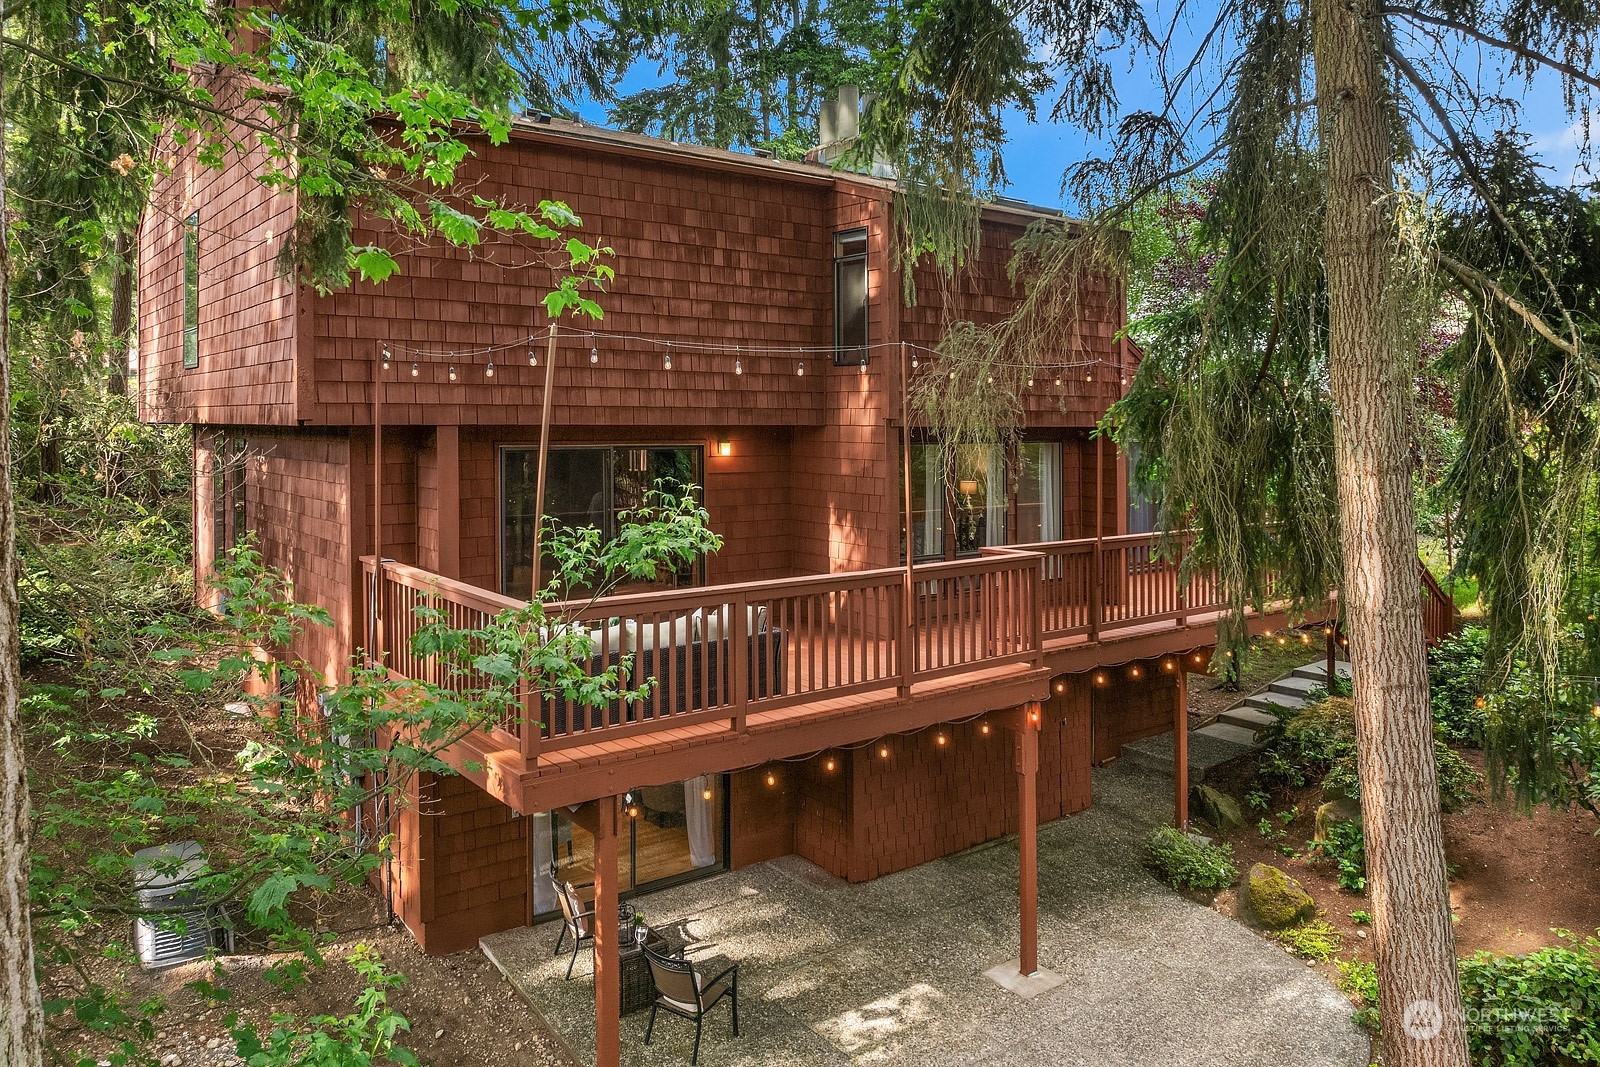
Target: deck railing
{"points": [[721, 653]]}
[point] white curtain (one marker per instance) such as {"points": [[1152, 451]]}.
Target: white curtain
{"points": [[932, 540], [697, 797], [995, 497], [1046, 457], [544, 887]]}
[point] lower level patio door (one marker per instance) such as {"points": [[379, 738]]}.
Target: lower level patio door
{"points": [[670, 833]]}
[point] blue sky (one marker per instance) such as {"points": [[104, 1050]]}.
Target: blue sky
{"points": [[1040, 151]]}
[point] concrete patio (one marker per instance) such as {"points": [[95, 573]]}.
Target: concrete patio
{"points": [[892, 971]]}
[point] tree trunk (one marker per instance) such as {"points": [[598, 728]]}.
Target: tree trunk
{"points": [[121, 312], [21, 1015], [1419, 992]]}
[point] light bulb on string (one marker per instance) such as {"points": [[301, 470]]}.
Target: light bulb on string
{"points": [[666, 361], [385, 357], [800, 370], [1030, 382], [594, 354], [533, 356], [738, 367], [1058, 380], [915, 363], [863, 364], [452, 372], [415, 370], [488, 372]]}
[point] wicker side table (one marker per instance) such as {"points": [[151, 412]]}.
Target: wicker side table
{"points": [[633, 970]]}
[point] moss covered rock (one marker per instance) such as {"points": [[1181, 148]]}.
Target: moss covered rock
{"points": [[1216, 808], [1278, 900]]}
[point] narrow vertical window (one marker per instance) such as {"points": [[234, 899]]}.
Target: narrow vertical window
{"points": [[191, 291], [850, 297]]}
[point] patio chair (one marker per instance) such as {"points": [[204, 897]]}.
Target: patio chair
{"points": [[685, 991], [575, 921]]}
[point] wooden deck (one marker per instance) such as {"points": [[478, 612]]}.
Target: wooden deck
{"points": [[742, 674]]}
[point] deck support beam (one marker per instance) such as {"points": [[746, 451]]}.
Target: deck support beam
{"points": [[1180, 751], [607, 984], [1028, 836]]}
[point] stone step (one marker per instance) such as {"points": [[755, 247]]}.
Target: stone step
{"points": [[1248, 717], [1153, 755], [1295, 686], [1222, 731], [1269, 701], [1318, 671]]}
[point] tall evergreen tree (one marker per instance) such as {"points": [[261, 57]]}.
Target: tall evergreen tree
{"points": [[1342, 129]]}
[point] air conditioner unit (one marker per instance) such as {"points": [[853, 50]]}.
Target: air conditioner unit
{"points": [[177, 926]]}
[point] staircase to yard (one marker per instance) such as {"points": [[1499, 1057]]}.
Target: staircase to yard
{"points": [[1238, 730]]}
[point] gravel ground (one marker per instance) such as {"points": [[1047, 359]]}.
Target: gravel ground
{"points": [[891, 972]]}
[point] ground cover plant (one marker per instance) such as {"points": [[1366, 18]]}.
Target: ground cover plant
{"points": [[1186, 863]]}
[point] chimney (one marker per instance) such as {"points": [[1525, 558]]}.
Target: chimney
{"points": [[839, 125]]}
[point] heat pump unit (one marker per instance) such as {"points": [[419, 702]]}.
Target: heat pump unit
{"points": [[177, 926]]}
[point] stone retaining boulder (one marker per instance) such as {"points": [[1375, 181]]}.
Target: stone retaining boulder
{"points": [[1216, 808], [1277, 899]]}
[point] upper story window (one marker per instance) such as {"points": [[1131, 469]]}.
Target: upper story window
{"points": [[191, 291], [850, 297], [584, 486]]}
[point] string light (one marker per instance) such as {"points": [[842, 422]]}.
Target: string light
{"points": [[416, 369], [1061, 685], [594, 353], [533, 356], [915, 363], [452, 372], [1099, 679], [738, 367], [1030, 381], [772, 779], [863, 364], [385, 357], [883, 751], [984, 729], [941, 740], [1167, 665], [1135, 671], [705, 794], [666, 361], [800, 369], [829, 765], [488, 372]]}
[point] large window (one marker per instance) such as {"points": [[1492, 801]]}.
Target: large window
{"points": [[584, 486], [850, 297], [191, 291], [968, 500]]}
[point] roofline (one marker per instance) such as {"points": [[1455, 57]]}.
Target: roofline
{"points": [[619, 142]]}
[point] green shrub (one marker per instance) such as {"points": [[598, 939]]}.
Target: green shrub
{"points": [[1314, 940], [1455, 670], [1536, 1009], [1184, 863], [1533, 1010], [1318, 744], [1346, 848]]}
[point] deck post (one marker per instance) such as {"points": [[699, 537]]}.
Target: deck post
{"points": [[1180, 750], [907, 637], [1028, 836], [607, 985]]}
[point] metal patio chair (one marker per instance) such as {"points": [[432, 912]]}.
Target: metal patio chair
{"points": [[575, 921], [685, 991]]}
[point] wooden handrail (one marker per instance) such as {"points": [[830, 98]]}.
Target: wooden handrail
{"points": [[726, 651]]}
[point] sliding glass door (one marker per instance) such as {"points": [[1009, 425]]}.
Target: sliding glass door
{"points": [[585, 486], [669, 833], [969, 499]]}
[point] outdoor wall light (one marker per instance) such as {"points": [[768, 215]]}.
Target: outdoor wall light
{"points": [[724, 447]]}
